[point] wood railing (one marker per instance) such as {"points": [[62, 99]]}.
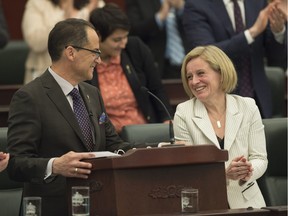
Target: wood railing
{"points": [[6, 93], [175, 91], [173, 88]]}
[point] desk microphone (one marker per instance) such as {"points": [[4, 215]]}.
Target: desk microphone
{"points": [[171, 130]]}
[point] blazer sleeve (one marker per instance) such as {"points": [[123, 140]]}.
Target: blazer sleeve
{"points": [[24, 134]]}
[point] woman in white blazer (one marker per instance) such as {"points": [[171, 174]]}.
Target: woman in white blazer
{"points": [[231, 122]]}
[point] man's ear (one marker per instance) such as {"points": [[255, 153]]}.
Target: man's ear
{"points": [[69, 52]]}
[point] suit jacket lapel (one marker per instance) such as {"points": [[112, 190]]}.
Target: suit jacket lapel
{"points": [[220, 10], [233, 121], [202, 121], [56, 95]]}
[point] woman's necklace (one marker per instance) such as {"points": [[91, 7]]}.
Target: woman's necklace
{"points": [[218, 122]]}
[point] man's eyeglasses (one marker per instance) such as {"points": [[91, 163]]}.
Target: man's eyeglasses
{"points": [[96, 52]]}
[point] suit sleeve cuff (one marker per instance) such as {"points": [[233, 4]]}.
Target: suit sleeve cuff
{"points": [[248, 37], [48, 172]]}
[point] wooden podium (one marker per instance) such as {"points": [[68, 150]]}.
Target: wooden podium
{"points": [[149, 180]]}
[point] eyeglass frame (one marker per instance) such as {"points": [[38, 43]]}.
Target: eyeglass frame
{"points": [[96, 52]]}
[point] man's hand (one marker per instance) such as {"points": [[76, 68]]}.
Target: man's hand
{"points": [[261, 23], [277, 17], [177, 4], [70, 165], [164, 10]]}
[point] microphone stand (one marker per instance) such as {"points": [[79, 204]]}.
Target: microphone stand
{"points": [[171, 130]]}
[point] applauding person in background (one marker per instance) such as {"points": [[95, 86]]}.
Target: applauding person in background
{"points": [[39, 18], [250, 32]]}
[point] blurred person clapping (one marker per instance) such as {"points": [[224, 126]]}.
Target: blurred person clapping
{"points": [[39, 18]]}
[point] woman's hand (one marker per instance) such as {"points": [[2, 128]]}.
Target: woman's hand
{"points": [[239, 169]]}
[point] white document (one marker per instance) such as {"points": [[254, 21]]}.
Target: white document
{"points": [[101, 154]]}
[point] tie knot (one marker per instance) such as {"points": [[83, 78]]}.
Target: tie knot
{"points": [[75, 93]]}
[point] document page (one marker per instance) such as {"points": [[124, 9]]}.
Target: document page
{"points": [[101, 154]]}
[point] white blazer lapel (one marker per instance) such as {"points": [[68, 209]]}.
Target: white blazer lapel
{"points": [[202, 121], [233, 121]]}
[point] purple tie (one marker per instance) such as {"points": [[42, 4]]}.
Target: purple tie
{"points": [[245, 82], [82, 118]]}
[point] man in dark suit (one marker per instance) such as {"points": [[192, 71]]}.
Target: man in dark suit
{"points": [[212, 22], [149, 22], [45, 140]]}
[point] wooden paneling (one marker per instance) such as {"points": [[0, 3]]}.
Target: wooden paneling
{"points": [[13, 11]]}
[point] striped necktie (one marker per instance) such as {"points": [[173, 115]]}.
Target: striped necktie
{"points": [[174, 46]]}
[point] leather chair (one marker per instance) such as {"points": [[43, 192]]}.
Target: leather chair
{"points": [[146, 134], [273, 183], [10, 191], [277, 82], [12, 62]]}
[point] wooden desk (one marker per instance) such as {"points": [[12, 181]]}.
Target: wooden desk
{"points": [[6, 93], [4, 110], [268, 211], [149, 181]]}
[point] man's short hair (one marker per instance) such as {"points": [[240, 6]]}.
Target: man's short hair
{"points": [[67, 32]]}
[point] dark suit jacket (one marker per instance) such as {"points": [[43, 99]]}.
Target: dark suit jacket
{"points": [[142, 17], [42, 125], [137, 64], [207, 22]]}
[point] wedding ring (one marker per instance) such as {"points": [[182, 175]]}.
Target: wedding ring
{"points": [[76, 170]]}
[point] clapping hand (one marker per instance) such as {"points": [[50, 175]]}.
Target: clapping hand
{"points": [[277, 17]]}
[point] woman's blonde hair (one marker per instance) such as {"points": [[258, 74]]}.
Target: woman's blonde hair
{"points": [[218, 61]]}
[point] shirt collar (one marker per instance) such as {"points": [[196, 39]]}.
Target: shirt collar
{"points": [[64, 84]]}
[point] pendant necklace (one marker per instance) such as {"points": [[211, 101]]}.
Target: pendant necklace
{"points": [[218, 122]]}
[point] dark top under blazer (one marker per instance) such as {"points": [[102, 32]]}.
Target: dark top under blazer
{"points": [[42, 125], [207, 22], [138, 66]]}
